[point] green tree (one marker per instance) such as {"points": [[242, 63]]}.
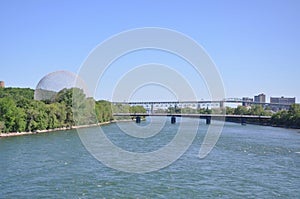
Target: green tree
{"points": [[37, 117], [290, 118], [257, 110], [241, 110], [104, 110], [294, 109], [56, 115], [205, 111], [280, 118], [17, 93], [230, 111], [20, 122], [12, 116], [137, 109], [294, 115], [74, 101], [175, 109]]}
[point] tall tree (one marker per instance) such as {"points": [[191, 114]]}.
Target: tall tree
{"points": [[12, 116]]}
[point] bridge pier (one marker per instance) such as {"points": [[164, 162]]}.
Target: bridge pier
{"points": [[208, 120], [138, 119], [221, 104], [243, 121], [173, 119], [152, 108]]}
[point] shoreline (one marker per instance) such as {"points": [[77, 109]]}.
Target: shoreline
{"points": [[269, 125], [13, 134]]}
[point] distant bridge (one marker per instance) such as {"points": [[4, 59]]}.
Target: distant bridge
{"points": [[208, 117], [220, 102], [153, 106]]}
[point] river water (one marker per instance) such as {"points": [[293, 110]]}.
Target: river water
{"points": [[247, 162]]}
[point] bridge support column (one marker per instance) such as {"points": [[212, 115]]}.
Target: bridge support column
{"points": [[208, 120], [221, 104], [173, 119], [260, 121], [138, 119], [243, 121]]}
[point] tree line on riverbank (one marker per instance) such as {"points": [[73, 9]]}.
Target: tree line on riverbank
{"points": [[285, 118], [19, 112]]}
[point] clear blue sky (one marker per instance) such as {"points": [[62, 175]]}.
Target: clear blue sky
{"points": [[255, 44]]}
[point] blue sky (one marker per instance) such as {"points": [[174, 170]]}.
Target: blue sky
{"points": [[254, 44]]}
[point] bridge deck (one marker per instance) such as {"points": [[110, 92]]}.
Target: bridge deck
{"points": [[202, 102], [193, 115]]}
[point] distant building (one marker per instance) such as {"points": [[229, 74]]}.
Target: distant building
{"points": [[283, 100], [247, 101], [281, 103], [2, 84], [261, 98]]}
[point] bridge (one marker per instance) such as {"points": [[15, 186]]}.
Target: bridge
{"points": [[208, 117], [150, 105]]}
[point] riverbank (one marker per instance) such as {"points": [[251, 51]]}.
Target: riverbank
{"points": [[261, 123], [12, 134]]}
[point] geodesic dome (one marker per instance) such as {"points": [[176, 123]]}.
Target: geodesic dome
{"points": [[54, 82]]}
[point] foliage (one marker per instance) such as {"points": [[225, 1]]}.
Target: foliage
{"points": [[173, 110], [20, 112], [241, 110], [120, 108], [17, 93], [125, 108], [290, 118], [12, 117], [137, 109], [284, 118], [205, 111], [258, 110], [104, 111], [230, 111]]}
